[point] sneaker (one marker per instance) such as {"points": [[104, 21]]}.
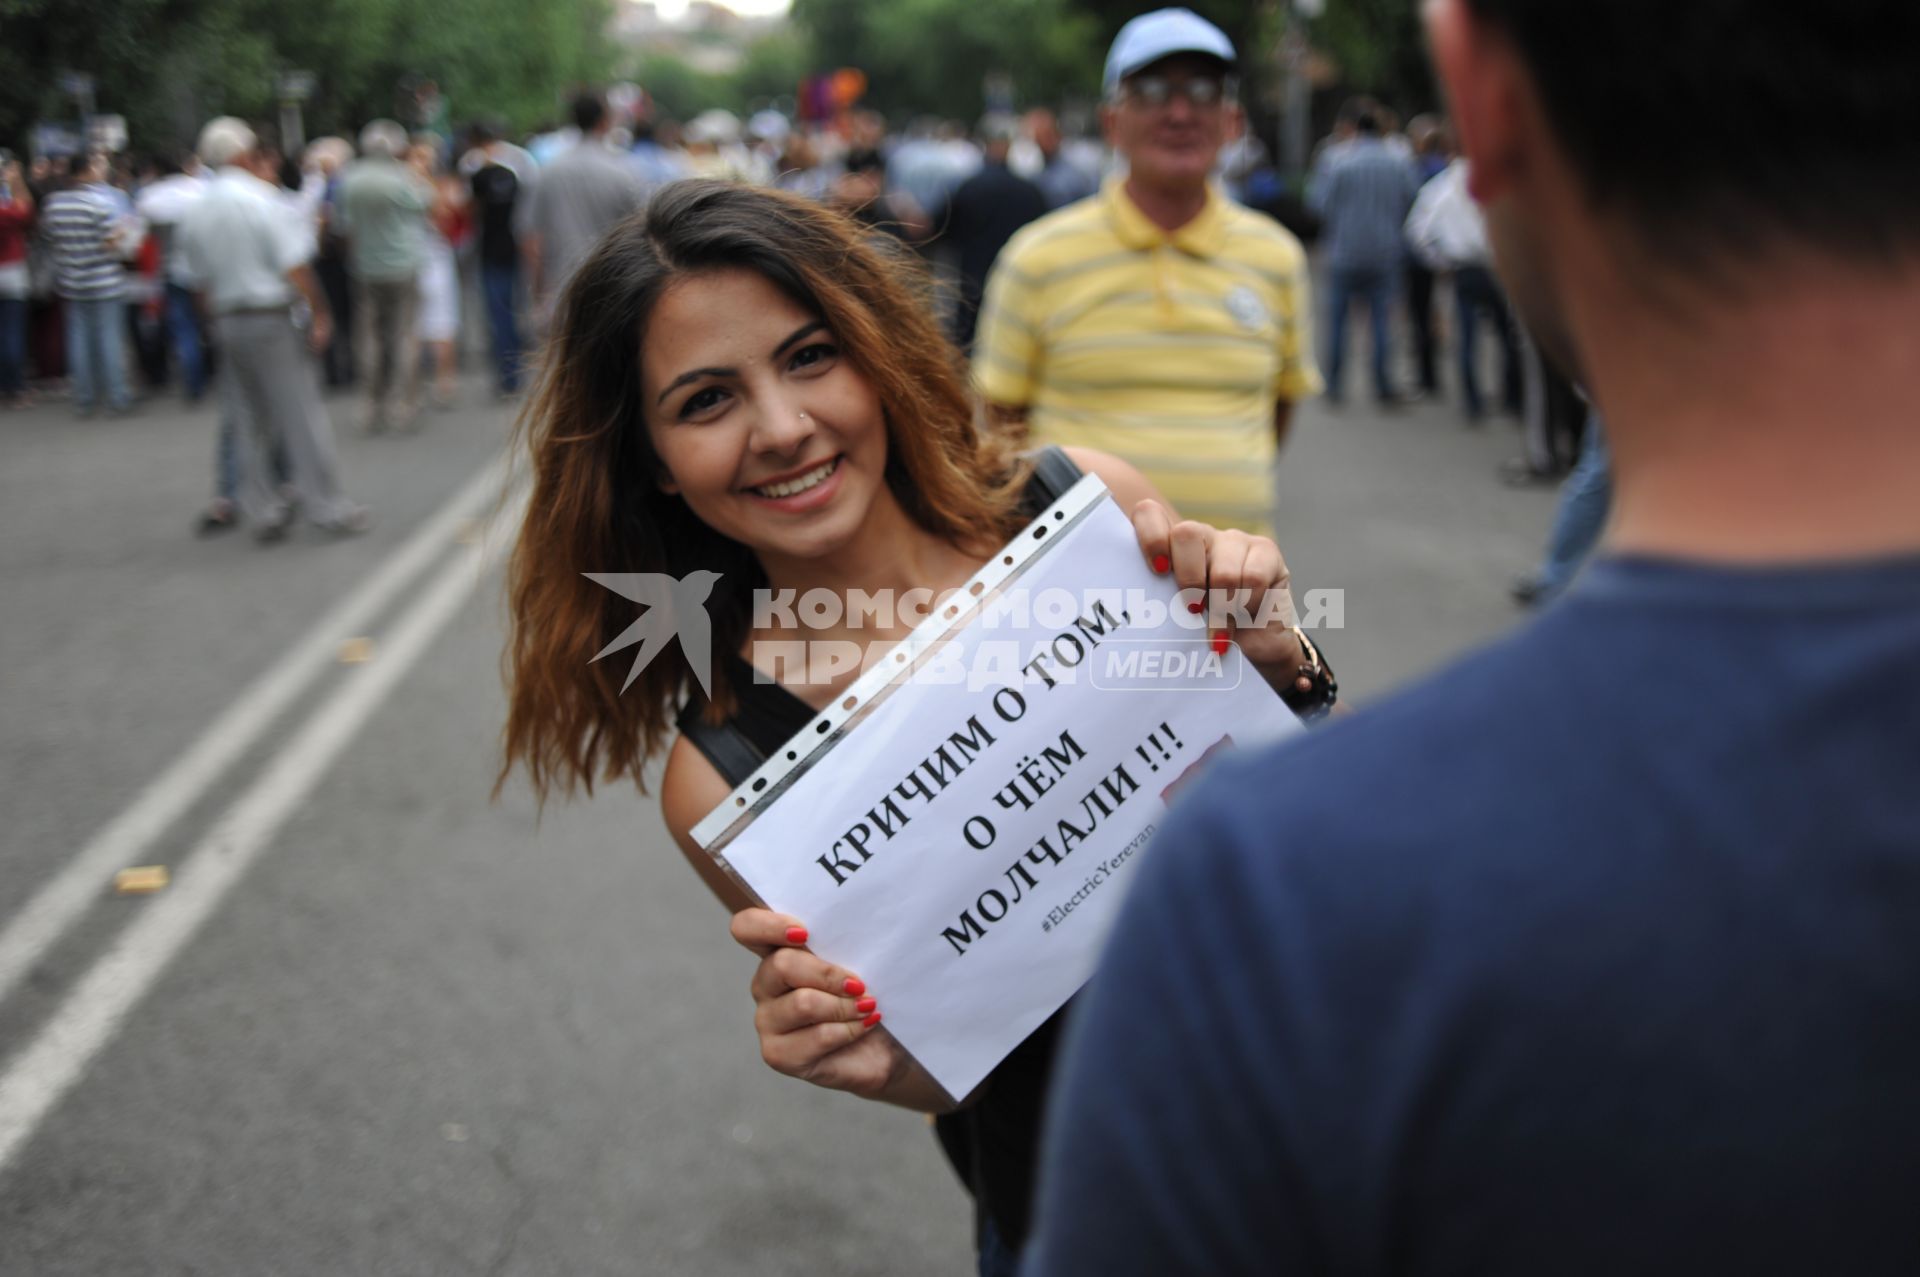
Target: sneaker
{"points": [[356, 520], [1518, 472], [218, 517], [274, 532], [1528, 591]]}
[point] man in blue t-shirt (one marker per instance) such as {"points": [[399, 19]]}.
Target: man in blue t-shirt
{"points": [[1599, 952]]}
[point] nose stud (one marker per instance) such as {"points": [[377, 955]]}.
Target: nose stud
{"points": [[803, 416]]}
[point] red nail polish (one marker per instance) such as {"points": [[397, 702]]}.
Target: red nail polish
{"points": [[870, 1021], [1196, 607], [865, 1005], [855, 986], [1220, 642], [1161, 563], [796, 935]]}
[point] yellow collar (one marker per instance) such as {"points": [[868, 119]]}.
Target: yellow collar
{"points": [[1204, 236]]}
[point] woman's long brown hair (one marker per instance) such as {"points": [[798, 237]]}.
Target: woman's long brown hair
{"points": [[596, 505]]}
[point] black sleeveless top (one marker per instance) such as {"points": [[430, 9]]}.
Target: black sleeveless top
{"points": [[994, 1143]]}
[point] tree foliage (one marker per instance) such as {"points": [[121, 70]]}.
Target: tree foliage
{"points": [[770, 72], [934, 56], [1379, 48], [167, 65]]}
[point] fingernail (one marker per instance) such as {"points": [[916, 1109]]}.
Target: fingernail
{"points": [[796, 935], [1161, 563], [870, 1021], [1196, 607], [855, 986], [1220, 642], [865, 1005]]}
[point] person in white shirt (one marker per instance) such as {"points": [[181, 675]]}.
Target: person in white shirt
{"points": [[163, 203], [247, 257], [1448, 233]]}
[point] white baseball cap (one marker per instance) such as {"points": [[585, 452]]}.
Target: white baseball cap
{"points": [[1162, 33]]}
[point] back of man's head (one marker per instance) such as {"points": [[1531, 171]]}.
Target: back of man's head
{"points": [[383, 140], [996, 133], [589, 112], [1723, 125], [225, 140]]}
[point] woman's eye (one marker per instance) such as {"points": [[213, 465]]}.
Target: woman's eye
{"points": [[818, 353], [702, 400]]}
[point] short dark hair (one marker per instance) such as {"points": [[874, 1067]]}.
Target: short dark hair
{"points": [[1723, 125], [864, 159], [589, 109]]}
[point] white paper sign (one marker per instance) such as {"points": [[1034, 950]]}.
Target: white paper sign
{"points": [[965, 842]]}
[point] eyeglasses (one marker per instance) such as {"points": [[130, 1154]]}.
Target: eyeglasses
{"points": [[1158, 90]]}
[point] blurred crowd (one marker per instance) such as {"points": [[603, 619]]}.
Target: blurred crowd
{"points": [[440, 249]]}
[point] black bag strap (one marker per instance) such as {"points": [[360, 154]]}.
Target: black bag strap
{"points": [[1053, 473], [727, 747]]}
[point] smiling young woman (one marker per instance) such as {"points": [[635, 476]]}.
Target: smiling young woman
{"points": [[740, 383]]}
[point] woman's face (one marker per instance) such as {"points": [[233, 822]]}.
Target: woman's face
{"points": [[765, 428]]}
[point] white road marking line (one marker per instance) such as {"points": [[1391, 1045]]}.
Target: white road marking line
{"points": [[43, 920], [43, 1072]]}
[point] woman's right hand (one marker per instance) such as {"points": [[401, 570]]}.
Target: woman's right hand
{"points": [[816, 1021]]}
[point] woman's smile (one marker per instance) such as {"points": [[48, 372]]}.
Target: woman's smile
{"points": [[800, 491]]}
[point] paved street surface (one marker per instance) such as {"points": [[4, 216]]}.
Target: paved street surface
{"points": [[379, 1024]]}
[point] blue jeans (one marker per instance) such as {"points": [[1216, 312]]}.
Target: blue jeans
{"points": [[500, 284], [1584, 500], [94, 353], [1475, 291], [13, 346], [183, 326], [1345, 285]]}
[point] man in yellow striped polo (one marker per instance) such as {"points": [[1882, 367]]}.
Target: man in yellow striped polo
{"points": [[1157, 320]]}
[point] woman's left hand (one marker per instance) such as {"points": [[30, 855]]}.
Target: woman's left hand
{"points": [[1237, 579]]}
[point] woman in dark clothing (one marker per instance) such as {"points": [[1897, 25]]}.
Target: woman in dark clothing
{"points": [[740, 383]]}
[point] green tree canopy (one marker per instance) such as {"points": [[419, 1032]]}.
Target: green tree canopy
{"points": [[167, 65], [933, 56]]}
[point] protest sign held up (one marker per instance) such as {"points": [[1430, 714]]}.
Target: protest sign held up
{"points": [[962, 840]]}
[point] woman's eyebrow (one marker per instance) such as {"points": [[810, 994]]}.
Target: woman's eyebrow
{"points": [[692, 375], [695, 374], [806, 330]]}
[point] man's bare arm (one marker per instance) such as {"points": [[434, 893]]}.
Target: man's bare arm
{"points": [[530, 254], [320, 330], [1282, 422]]}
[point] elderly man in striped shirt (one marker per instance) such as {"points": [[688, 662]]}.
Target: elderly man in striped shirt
{"points": [[1157, 320], [86, 226]]}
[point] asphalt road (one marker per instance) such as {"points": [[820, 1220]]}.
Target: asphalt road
{"points": [[381, 1024]]}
